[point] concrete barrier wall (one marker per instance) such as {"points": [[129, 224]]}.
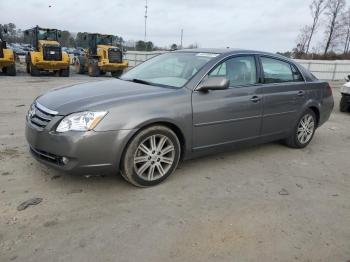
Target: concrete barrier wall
{"points": [[322, 69], [137, 57], [327, 70]]}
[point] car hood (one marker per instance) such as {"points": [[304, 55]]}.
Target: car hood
{"points": [[99, 95]]}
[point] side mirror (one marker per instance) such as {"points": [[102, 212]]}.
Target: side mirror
{"points": [[214, 83]]}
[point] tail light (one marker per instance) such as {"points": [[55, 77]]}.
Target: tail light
{"points": [[329, 90]]}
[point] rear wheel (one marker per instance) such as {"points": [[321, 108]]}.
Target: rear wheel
{"points": [[64, 72], [117, 73], [151, 156], [11, 70], [93, 69], [304, 130], [344, 104]]}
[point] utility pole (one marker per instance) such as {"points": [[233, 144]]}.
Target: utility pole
{"points": [[146, 21], [182, 33]]}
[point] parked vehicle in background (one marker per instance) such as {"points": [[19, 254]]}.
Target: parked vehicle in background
{"points": [[7, 56], [345, 96], [101, 57], [18, 50], [48, 54], [177, 105]]}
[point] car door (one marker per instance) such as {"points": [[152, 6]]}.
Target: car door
{"points": [[230, 115], [284, 95]]}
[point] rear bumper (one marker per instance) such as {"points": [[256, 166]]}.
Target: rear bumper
{"points": [[87, 152]]}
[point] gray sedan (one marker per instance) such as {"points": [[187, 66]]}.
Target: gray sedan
{"points": [[176, 106]]}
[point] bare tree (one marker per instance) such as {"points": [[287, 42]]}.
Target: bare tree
{"points": [[303, 39], [316, 7], [346, 30], [334, 10]]}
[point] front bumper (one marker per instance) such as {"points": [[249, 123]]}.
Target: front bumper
{"points": [[105, 65], [52, 65], [87, 152], [5, 62]]}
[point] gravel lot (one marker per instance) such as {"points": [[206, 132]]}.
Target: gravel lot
{"points": [[263, 203]]}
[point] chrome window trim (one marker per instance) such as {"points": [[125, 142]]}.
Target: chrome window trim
{"points": [[252, 54]]}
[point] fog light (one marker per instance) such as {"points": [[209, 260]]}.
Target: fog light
{"points": [[65, 160]]}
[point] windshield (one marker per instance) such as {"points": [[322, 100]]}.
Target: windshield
{"points": [[104, 40], [170, 69], [47, 35]]}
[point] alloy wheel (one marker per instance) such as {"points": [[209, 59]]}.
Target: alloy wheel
{"points": [[154, 156], [305, 129]]}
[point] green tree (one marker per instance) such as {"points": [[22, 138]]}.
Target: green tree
{"points": [[173, 47], [81, 40]]}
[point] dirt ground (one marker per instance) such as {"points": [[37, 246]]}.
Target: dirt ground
{"points": [[264, 203]]}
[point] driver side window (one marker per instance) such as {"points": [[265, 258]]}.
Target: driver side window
{"points": [[239, 71]]}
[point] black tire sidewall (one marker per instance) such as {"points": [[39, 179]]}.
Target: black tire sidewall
{"points": [[344, 105], [296, 140], [128, 170]]}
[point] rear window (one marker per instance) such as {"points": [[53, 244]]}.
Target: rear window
{"points": [[277, 71]]}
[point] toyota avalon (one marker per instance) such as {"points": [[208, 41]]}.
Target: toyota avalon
{"points": [[176, 106]]}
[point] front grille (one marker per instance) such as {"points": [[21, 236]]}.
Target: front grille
{"points": [[39, 116], [52, 53], [58, 160], [115, 55]]}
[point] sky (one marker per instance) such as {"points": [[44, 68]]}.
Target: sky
{"points": [[267, 25]]}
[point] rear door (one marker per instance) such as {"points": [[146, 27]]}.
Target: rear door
{"points": [[284, 94], [226, 116]]}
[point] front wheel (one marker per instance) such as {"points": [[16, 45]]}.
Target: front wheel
{"points": [[11, 70], [304, 130], [117, 73], [151, 156], [93, 69], [34, 71]]}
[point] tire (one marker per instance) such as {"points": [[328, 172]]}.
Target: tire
{"points": [[117, 73], [102, 73], [64, 72], [300, 137], [93, 69], [344, 104], [79, 68], [11, 70], [34, 71], [149, 158]]}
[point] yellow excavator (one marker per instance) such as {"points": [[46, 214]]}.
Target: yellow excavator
{"points": [[101, 57], [47, 54], [7, 57]]}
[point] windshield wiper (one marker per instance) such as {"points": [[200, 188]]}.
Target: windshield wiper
{"points": [[140, 81]]}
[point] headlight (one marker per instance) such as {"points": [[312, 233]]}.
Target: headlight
{"points": [[82, 121]]}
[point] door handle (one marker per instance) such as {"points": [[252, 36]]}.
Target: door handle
{"points": [[255, 99], [301, 93]]}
